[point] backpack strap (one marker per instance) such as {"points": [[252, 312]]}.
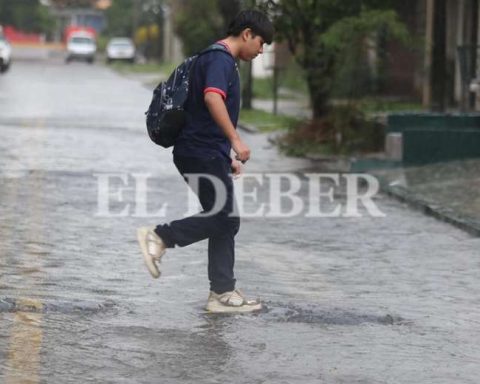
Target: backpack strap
{"points": [[215, 47], [221, 48]]}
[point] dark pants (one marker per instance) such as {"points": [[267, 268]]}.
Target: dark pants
{"points": [[220, 229]]}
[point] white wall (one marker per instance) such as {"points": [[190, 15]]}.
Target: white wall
{"points": [[262, 64]]}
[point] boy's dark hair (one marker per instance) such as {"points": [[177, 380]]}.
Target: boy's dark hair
{"points": [[257, 21]]}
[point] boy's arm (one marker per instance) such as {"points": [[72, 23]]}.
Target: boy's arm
{"points": [[218, 110]]}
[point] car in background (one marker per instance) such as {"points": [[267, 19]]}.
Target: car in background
{"points": [[5, 53], [81, 46], [120, 48]]}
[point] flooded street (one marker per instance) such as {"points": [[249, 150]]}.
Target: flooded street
{"points": [[392, 299]]}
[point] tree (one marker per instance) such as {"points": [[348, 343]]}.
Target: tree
{"points": [[120, 18], [140, 19], [202, 22], [320, 32], [26, 15]]}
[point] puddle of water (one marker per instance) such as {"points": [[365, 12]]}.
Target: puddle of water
{"points": [[325, 316], [289, 313]]}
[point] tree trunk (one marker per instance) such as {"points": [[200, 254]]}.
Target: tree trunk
{"points": [[318, 98], [247, 93], [319, 79]]}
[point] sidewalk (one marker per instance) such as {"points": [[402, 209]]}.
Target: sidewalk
{"points": [[298, 107], [447, 191]]}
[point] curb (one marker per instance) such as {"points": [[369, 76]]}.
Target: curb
{"points": [[247, 127]]}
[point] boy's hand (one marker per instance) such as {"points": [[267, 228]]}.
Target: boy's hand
{"points": [[236, 168], [241, 149]]}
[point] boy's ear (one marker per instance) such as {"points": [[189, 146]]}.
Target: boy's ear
{"points": [[246, 34]]}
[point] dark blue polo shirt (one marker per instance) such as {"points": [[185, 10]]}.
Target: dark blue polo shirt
{"points": [[201, 137]]}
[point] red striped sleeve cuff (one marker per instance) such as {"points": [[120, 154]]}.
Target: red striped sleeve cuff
{"points": [[215, 90]]}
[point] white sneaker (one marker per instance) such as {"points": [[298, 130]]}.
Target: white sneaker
{"points": [[231, 302], [153, 248]]}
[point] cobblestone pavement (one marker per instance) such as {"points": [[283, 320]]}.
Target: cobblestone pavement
{"points": [[349, 300]]}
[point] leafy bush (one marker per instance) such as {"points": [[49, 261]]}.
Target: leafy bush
{"points": [[344, 130]]}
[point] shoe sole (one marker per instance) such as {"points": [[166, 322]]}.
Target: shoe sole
{"points": [[242, 309], [149, 263]]}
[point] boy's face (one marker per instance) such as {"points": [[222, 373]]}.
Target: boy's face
{"points": [[252, 45]]}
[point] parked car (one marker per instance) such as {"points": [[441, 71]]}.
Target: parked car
{"points": [[5, 54], [81, 46], [120, 48]]}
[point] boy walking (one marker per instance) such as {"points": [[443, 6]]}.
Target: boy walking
{"points": [[204, 147]]}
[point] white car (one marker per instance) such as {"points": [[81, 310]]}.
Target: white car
{"points": [[120, 48], [81, 46], [5, 54]]}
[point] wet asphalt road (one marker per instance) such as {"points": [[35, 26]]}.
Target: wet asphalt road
{"points": [[348, 300]]}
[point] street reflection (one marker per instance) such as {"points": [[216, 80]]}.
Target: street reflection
{"points": [[23, 359]]}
